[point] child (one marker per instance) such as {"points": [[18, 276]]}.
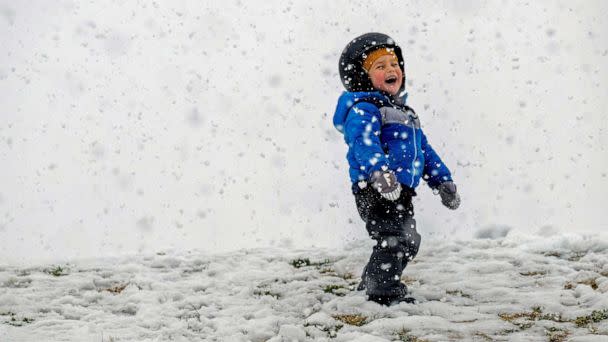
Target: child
{"points": [[388, 154]]}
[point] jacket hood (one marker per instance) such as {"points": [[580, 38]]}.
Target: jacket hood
{"points": [[348, 99], [353, 76]]}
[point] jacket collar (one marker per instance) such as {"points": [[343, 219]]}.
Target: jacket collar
{"points": [[379, 98]]}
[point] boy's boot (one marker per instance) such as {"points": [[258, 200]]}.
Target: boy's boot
{"points": [[392, 300], [382, 274]]}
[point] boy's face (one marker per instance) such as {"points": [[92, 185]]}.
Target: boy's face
{"points": [[386, 75]]}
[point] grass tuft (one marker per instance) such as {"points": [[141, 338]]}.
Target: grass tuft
{"points": [[557, 334], [297, 263], [590, 282], [533, 273], [117, 289], [404, 336], [458, 293], [302, 262], [553, 333], [533, 315], [332, 289], [484, 336], [529, 317], [347, 276], [56, 271], [576, 256], [16, 321], [356, 320], [327, 270], [265, 292], [594, 317]]}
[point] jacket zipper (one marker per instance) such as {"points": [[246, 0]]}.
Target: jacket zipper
{"points": [[415, 157]]}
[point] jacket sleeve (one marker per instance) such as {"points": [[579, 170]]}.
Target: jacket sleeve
{"points": [[362, 134], [435, 172]]}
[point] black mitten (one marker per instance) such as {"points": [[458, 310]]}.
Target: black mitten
{"points": [[385, 182], [449, 196]]}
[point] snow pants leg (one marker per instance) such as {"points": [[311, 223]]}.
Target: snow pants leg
{"points": [[392, 225]]}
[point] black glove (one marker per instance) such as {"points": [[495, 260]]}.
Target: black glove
{"points": [[449, 196], [387, 185]]}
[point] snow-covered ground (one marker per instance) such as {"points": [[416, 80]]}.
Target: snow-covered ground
{"points": [[501, 286], [137, 127], [154, 121]]}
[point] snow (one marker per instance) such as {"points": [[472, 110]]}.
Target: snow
{"points": [[203, 130], [510, 287], [154, 121]]}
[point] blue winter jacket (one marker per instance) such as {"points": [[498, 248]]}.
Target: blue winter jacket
{"points": [[382, 134]]}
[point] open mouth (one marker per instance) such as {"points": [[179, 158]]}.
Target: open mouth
{"points": [[391, 80]]}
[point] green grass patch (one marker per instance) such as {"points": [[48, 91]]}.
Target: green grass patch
{"points": [[303, 262], [533, 273], [331, 331], [590, 282], [525, 320], [532, 315], [576, 256], [16, 321], [327, 270], [458, 293], [594, 317], [356, 320], [117, 289], [535, 315], [556, 334], [553, 254], [266, 292], [335, 290], [297, 263], [484, 336], [347, 276], [573, 256], [56, 271], [404, 336]]}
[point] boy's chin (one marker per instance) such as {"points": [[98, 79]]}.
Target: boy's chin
{"points": [[391, 90]]}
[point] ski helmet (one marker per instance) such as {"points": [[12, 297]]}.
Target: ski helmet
{"points": [[352, 74]]}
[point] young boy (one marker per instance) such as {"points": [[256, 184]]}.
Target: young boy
{"points": [[388, 154]]}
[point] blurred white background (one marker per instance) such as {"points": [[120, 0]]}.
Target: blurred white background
{"points": [[137, 126]]}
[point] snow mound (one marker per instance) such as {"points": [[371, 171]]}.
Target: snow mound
{"points": [[519, 287]]}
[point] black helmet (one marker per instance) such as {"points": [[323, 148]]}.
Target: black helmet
{"points": [[352, 74]]}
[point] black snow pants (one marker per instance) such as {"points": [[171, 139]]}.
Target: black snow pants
{"points": [[392, 225]]}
